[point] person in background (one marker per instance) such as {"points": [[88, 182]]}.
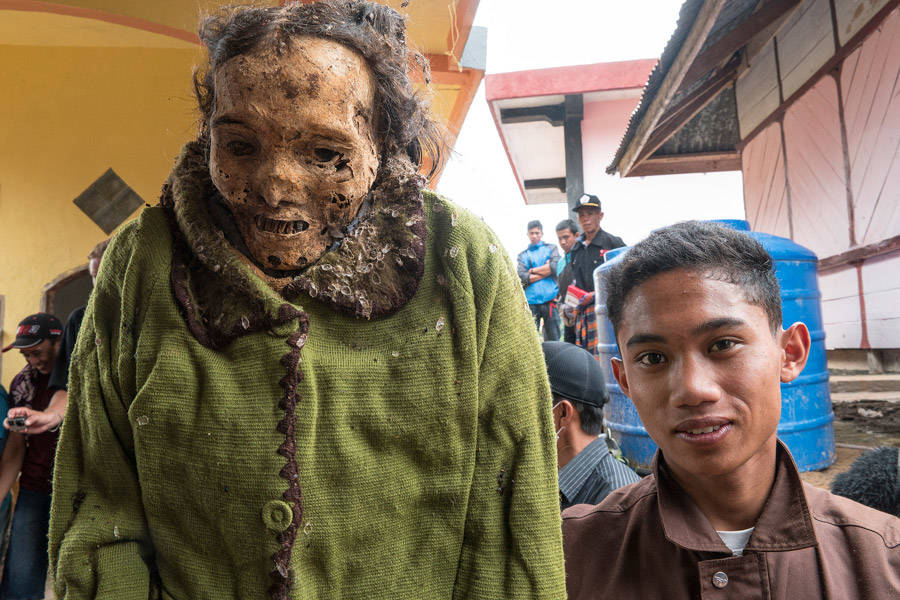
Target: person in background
{"points": [[30, 454], [588, 467], [537, 271], [6, 505], [38, 421], [696, 310], [567, 233], [588, 254]]}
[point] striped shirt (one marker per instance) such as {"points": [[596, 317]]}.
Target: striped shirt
{"points": [[592, 474]]}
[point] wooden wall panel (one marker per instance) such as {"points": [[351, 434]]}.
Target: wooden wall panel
{"points": [[757, 90], [840, 308], [853, 14], [881, 287], [805, 43], [816, 172], [870, 83], [765, 194]]}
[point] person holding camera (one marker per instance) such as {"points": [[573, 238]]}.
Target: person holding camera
{"points": [[30, 454]]}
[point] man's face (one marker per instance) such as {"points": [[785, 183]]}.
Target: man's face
{"points": [[589, 218], [703, 368], [535, 235], [293, 149], [94, 267], [566, 239], [42, 356]]}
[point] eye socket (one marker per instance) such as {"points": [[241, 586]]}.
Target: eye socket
{"points": [[325, 154], [239, 148], [722, 345], [651, 359]]}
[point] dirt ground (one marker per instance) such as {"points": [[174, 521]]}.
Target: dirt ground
{"points": [[869, 424]]}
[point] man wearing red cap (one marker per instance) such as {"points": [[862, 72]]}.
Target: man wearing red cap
{"points": [[37, 338]]}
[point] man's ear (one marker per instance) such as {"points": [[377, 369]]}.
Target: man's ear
{"points": [[566, 411], [618, 369], [600, 216], [795, 345]]}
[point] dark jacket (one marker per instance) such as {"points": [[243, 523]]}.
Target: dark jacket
{"points": [[649, 540], [584, 258]]}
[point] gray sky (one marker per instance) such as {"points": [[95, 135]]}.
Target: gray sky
{"points": [[535, 34]]}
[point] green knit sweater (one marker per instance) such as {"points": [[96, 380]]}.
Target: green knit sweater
{"points": [[314, 455]]}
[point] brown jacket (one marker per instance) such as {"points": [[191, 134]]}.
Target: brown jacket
{"points": [[649, 540]]}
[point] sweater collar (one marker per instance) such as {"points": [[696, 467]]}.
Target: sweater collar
{"points": [[784, 523], [371, 273]]}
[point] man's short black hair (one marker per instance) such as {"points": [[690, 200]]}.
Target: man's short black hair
{"points": [[591, 416], [721, 252], [568, 224], [535, 224]]}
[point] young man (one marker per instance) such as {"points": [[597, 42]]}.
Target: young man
{"points": [[697, 315], [537, 271], [567, 233], [588, 471], [31, 454]]}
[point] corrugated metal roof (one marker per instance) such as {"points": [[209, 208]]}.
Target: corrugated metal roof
{"points": [[731, 15]]}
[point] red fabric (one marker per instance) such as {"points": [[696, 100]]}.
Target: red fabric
{"points": [[29, 389]]}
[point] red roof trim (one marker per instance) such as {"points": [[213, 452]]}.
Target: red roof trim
{"points": [[576, 79]]}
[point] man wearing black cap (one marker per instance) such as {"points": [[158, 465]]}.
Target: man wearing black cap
{"points": [[588, 254], [588, 471], [37, 338]]}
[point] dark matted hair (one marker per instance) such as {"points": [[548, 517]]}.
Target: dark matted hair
{"points": [[718, 251], [568, 224], [99, 249], [403, 121], [534, 225]]}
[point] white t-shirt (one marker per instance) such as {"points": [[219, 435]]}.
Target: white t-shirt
{"points": [[736, 540]]}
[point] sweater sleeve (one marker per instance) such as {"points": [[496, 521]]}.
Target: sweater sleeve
{"points": [[99, 544], [512, 546]]}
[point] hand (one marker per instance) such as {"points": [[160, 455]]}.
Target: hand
{"points": [[36, 421], [586, 300]]}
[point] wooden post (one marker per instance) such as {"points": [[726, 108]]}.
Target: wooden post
{"points": [[574, 156]]}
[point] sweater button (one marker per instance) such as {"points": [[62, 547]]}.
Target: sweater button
{"points": [[277, 515], [720, 579]]}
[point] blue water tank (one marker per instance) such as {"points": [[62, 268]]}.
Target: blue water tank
{"points": [[807, 421]]}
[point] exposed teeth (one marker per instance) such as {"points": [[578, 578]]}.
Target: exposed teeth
{"points": [[704, 430], [280, 227]]}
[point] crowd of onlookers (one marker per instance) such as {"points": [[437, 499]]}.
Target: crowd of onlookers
{"points": [[32, 413]]}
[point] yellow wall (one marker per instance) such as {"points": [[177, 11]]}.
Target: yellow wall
{"points": [[66, 115]]}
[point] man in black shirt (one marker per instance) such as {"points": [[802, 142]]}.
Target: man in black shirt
{"points": [[587, 254]]}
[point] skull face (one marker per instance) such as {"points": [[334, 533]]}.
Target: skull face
{"points": [[292, 147]]}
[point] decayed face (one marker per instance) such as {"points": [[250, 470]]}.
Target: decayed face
{"points": [[704, 370], [293, 150]]}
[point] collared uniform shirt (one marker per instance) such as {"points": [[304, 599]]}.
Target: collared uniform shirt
{"points": [[584, 258], [650, 540], [592, 475]]}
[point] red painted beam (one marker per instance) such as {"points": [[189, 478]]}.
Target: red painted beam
{"points": [[577, 79]]}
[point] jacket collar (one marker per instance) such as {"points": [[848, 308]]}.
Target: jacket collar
{"points": [[371, 273], [573, 476], [784, 523]]}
